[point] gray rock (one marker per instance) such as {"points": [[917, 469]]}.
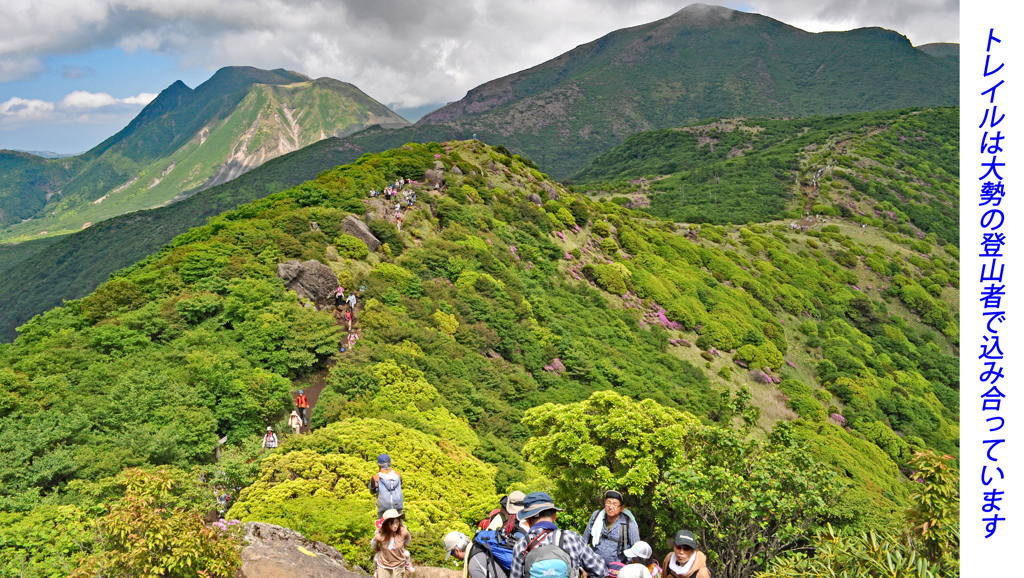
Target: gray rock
{"points": [[358, 229], [550, 190], [438, 166], [533, 198], [456, 170], [272, 551], [312, 280]]}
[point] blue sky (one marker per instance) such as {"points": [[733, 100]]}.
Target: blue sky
{"points": [[74, 72]]}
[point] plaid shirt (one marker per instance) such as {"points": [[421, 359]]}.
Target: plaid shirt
{"points": [[582, 556]]}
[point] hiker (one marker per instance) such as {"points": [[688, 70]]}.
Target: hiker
{"points": [[398, 217], [351, 300], [339, 296], [549, 551], [270, 439], [504, 517], [686, 561], [295, 422], [387, 485], [612, 530], [642, 553], [390, 542], [634, 571], [302, 404], [477, 562], [348, 319]]}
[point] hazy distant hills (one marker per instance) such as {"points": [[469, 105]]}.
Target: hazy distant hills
{"points": [[702, 62], [183, 141]]}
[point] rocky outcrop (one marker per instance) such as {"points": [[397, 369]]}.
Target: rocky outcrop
{"points": [[272, 552], [533, 198], [312, 280], [359, 230]]}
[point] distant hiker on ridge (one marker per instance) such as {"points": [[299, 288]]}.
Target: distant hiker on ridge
{"points": [[302, 404]]}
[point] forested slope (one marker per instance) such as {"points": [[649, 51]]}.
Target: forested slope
{"points": [[505, 306]]}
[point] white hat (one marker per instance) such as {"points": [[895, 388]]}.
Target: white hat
{"points": [[634, 571], [455, 541], [639, 550]]}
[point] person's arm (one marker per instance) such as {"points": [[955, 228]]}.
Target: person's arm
{"points": [[406, 535], [593, 564]]}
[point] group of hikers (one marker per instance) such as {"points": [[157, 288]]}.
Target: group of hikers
{"points": [[391, 193], [521, 539]]}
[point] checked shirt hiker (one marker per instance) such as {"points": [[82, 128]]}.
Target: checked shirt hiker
{"points": [[583, 557]]}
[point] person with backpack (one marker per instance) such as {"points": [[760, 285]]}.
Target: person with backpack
{"points": [[390, 542], [548, 551], [504, 517], [612, 530], [270, 439], [478, 561], [686, 561], [302, 405], [387, 485]]}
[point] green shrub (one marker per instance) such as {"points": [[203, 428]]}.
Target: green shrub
{"points": [[351, 248]]}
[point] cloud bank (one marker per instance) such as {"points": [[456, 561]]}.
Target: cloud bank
{"points": [[79, 106], [405, 53]]}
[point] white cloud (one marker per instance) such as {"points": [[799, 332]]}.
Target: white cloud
{"points": [[79, 107], [22, 109], [402, 52]]}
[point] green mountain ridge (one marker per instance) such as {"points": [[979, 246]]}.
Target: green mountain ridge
{"points": [[184, 141], [702, 62], [488, 311]]}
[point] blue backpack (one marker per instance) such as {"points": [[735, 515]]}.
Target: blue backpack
{"points": [[498, 547], [549, 560]]}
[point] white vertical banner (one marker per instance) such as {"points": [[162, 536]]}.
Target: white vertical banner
{"points": [[991, 298]]}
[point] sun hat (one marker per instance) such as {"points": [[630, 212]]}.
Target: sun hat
{"points": [[390, 514], [454, 541], [514, 504], [685, 538], [535, 503], [639, 550], [270, 428], [634, 571]]}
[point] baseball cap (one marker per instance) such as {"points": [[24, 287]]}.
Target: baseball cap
{"points": [[639, 550], [452, 541], [685, 538], [383, 459]]}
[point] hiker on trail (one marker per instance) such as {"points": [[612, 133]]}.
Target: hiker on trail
{"points": [[686, 561], [302, 404], [612, 530], [477, 563], [348, 319], [642, 553], [387, 484], [398, 217], [390, 542], [270, 439], [351, 300], [339, 296], [549, 551], [295, 422]]}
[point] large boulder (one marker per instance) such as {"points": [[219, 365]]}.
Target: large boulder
{"points": [[311, 279], [272, 552], [358, 229]]}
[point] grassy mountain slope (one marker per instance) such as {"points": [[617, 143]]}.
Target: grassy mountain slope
{"points": [[483, 306], [187, 140], [896, 170], [702, 62], [40, 274]]}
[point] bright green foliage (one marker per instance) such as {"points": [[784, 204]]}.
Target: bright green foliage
{"points": [[751, 500], [351, 247], [446, 322], [44, 542], [149, 532], [760, 356], [442, 482], [936, 510], [606, 441], [601, 229], [847, 554]]}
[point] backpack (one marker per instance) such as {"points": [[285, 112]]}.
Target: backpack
{"points": [[613, 569], [372, 485], [389, 493], [498, 547], [487, 521], [549, 560]]}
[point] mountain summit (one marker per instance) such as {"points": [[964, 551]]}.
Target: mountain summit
{"points": [[701, 62], [184, 141]]}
